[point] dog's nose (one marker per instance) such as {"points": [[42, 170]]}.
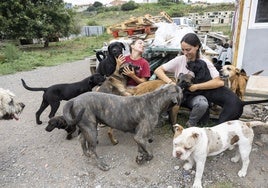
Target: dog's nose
{"points": [[178, 154], [22, 105]]}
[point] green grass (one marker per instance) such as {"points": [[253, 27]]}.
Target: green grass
{"points": [[33, 56]]}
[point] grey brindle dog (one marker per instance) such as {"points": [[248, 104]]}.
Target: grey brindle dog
{"points": [[135, 114]]}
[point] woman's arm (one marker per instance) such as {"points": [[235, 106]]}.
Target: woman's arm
{"points": [[160, 73], [211, 84]]}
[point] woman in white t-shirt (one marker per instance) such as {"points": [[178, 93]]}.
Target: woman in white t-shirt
{"points": [[191, 46]]}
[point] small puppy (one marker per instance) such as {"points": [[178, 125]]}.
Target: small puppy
{"points": [[60, 123], [9, 107], [237, 79], [195, 144], [56, 93]]}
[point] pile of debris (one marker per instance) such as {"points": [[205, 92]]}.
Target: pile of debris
{"points": [[138, 25]]}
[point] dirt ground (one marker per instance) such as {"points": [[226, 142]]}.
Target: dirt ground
{"points": [[32, 157]]}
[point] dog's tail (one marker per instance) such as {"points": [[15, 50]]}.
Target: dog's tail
{"points": [[254, 102], [67, 113], [32, 88], [259, 127]]}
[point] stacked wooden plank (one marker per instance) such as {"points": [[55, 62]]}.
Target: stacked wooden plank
{"points": [[138, 25]]}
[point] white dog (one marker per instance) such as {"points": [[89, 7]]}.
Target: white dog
{"points": [[9, 108], [195, 144]]}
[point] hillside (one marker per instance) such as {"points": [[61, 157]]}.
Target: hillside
{"points": [[109, 16]]}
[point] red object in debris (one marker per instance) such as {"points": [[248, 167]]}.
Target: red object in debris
{"points": [[115, 34]]}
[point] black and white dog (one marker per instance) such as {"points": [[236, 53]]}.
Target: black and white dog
{"points": [[56, 93], [107, 65]]}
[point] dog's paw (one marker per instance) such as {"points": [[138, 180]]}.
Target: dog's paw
{"points": [[187, 166], [149, 157], [39, 122], [103, 166], [87, 153], [235, 159], [197, 184], [140, 159], [242, 173]]}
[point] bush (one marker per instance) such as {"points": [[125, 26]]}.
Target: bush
{"points": [[131, 5], [11, 52]]}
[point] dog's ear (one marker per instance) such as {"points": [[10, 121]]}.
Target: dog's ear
{"points": [[195, 135], [122, 45], [177, 129], [243, 72], [237, 71]]}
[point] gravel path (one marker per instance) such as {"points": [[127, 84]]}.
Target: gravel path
{"points": [[32, 157]]}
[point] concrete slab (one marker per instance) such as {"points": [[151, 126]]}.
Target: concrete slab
{"points": [[257, 86]]}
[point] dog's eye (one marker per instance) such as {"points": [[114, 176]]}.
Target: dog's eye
{"points": [[187, 148], [228, 68]]}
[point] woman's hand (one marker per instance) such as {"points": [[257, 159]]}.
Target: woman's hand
{"points": [[193, 88], [128, 72], [120, 60]]}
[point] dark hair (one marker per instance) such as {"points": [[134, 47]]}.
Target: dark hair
{"points": [[193, 40], [132, 43]]}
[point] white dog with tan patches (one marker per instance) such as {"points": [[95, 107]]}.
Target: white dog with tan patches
{"points": [[194, 144]]}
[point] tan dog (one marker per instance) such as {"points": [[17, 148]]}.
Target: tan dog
{"points": [[237, 79], [195, 144], [146, 87], [9, 107], [150, 86]]}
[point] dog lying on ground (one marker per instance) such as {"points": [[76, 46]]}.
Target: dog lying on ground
{"points": [[195, 144], [55, 93], [107, 66], [121, 113], [60, 123], [9, 107], [237, 79]]}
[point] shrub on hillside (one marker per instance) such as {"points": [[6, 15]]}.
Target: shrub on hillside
{"points": [[131, 5]]}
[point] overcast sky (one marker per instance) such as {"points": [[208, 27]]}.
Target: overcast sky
{"points": [[83, 2]]}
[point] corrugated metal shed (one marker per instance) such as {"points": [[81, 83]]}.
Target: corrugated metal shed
{"points": [[92, 30]]}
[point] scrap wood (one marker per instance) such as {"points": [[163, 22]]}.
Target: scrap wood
{"points": [[139, 23]]}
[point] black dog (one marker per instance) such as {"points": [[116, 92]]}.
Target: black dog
{"points": [[107, 65], [232, 106], [55, 93], [200, 69], [60, 123]]}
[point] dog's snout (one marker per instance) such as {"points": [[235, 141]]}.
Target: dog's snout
{"points": [[178, 154]]}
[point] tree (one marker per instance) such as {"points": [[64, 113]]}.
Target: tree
{"points": [[35, 19], [131, 5], [97, 4]]}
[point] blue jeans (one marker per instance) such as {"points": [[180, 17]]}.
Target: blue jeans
{"points": [[199, 109]]}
